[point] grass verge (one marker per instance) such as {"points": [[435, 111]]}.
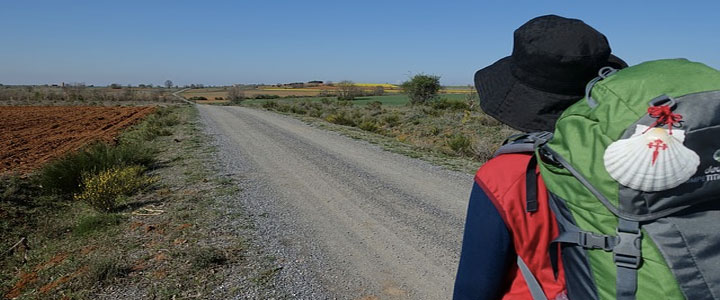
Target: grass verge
{"points": [[164, 242]]}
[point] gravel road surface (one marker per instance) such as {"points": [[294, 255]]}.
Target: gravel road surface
{"points": [[344, 219]]}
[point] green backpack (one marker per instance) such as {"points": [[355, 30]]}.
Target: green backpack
{"points": [[655, 127]]}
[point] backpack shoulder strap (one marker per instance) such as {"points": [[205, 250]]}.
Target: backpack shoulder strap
{"points": [[524, 143], [527, 143]]}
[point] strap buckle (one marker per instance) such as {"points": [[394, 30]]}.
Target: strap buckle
{"points": [[590, 240], [627, 251], [540, 138]]}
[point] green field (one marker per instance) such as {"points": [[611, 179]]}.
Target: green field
{"points": [[389, 100]]}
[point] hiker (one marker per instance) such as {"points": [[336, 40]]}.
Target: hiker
{"points": [[509, 226]]}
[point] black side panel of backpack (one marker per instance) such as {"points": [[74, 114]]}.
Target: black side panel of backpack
{"points": [[578, 275]]}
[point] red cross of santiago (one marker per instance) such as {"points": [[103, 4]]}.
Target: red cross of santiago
{"points": [[658, 145]]}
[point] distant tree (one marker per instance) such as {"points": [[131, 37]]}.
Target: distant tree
{"points": [[347, 90], [235, 94], [421, 88], [378, 90], [115, 86], [168, 83]]}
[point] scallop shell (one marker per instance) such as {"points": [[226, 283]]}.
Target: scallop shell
{"points": [[651, 161]]}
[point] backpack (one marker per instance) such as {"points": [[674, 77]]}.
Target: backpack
{"points": [[639, 219]]}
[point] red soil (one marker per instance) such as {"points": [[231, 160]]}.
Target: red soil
{"points": [[32, 135]]}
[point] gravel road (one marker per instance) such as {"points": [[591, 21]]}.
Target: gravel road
{"points": [[344, 219]]}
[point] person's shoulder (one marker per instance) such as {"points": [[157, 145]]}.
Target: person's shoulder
{"points": [[514, 164], [503, 172]]}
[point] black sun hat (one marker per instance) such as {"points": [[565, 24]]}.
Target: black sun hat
{"points": [[553, 58]]}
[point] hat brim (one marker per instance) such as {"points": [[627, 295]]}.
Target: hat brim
{"points": [[518, 105], [616, 62]]}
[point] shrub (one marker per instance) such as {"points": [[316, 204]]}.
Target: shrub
{"points": [[235, 94], [297, 109], [154, 125], [64, 176], [197, 98], [347, 90], [378, 90], [283, 107], [430, 111], [448, 104], [421, 88], [460, 144], [264, 96], [315, 113], [392, 120], [369, 125], [375, 105], [102, 190], [270, 105], [435, 130], [340, 118], [9, 187], [219, 98]]}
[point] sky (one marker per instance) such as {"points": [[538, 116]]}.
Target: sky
{"points": [[226, 42]]}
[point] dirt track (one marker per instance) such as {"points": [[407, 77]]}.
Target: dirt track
{"points": [[32, 135], [345, 218]]}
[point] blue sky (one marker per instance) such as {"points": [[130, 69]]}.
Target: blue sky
{"points": [[224, 42]]}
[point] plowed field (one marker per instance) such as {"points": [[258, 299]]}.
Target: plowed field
{"points": [[31, 136]]}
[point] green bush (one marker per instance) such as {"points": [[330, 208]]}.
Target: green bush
{"points": [[341, 118], [101, 190], [270, 105], [283, 107], [298, 109], [375, 105], [369, 125], [264, 96], [431, 111], [392, 120], [197, 98], [64, 175], [315, 113], [421, 88], [154, 125], [460, 144]]}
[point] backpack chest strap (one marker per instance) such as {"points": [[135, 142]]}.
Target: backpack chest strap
{"points": [[626, 247]]}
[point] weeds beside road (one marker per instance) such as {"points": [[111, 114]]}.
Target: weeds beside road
{"points": [[156, 241], [446, 132]]}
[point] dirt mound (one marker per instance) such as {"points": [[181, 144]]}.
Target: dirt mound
{"points": [[33, 135]]}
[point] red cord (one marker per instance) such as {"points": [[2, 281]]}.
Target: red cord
{"points": [[664, 115]]}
